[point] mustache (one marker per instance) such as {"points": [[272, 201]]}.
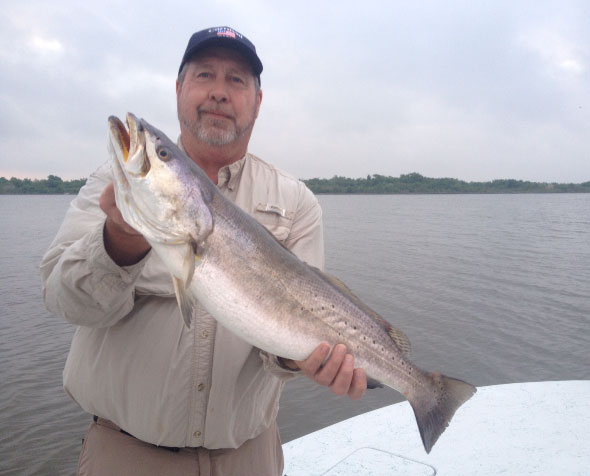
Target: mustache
{"points": [[215, 110]]}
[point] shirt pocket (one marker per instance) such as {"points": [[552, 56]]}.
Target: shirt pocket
{"points": [[275, 219]]}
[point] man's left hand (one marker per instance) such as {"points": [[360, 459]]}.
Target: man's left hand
{"points": [[337, 372]]}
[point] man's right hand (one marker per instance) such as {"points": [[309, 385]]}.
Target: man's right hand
{"points": [[123, 243]]}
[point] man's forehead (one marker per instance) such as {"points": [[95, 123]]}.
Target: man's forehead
{"points": [[221, 53]]}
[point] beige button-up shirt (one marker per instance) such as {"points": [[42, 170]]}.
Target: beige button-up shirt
{"points": [[132, 359]]}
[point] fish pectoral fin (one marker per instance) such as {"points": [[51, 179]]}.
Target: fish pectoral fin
{"points": [[185, 300], [188, 265]]}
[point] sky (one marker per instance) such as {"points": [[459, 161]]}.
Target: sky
{"points": [[474, 90]]}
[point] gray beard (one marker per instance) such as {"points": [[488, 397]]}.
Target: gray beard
{"points": [[212, 134]]}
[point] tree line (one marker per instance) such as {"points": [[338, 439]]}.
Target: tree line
{"points": [[416, 183], [52, 185], [372, 184]]}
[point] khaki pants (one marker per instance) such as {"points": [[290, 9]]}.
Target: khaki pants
{"points": [[108, 452]]}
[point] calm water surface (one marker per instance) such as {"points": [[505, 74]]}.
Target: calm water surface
{"points": [[489, 288]]}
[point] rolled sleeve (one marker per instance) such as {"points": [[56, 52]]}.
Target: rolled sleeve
{"points": [[271, 364], [80, 282]]}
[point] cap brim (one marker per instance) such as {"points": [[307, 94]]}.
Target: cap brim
{"points": [[250, 56]]}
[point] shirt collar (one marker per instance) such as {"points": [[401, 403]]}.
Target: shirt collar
{"points": [[228, 175]]}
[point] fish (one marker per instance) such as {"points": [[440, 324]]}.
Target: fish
{"points": [[222, 258]]}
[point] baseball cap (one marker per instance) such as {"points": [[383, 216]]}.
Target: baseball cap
{"points": [[223, 36]]}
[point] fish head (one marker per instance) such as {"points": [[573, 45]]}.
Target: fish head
{"points": [[157, 187]]}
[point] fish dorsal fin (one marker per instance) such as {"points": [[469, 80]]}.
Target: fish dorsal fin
{"points": [[398, 337], [401, 340]]}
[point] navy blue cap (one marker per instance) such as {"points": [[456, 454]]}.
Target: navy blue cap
{"points": [[223, 36]]}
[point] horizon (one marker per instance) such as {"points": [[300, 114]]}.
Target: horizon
{"points": [[351, 178]]}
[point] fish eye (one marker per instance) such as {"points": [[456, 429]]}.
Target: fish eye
{"points": [[163, 154]]}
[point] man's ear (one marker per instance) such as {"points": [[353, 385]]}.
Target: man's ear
{"points": [[258, 102]]}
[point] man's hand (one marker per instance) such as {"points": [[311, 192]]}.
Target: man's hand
{"points": [[337, 373], [122, 242]]}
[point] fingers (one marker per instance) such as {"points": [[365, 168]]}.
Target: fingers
{"points": [[342, 375], [107, 198], [109, 206], [358, 386], [123, 243], [313, 363], [337, 372]]}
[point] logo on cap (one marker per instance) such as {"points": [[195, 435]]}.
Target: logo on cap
{"points": [[226, 32]]}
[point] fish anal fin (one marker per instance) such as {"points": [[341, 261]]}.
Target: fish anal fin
{"points": [[401, 340], [185, 301], [372, 383]]}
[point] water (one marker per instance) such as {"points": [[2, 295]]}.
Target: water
{"points": [[489, 288]]}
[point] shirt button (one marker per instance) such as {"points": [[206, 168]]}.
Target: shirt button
{"points": [[201, 387], [204, 333], [197, 434]]}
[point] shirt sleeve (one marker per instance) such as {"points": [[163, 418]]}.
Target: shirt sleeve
{"points": [[306, 238], [80, 282]]}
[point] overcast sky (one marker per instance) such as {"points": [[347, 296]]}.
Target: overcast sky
{"points": [[475, 90]]}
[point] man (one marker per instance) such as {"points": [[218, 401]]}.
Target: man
{"points": [[168, 399]]}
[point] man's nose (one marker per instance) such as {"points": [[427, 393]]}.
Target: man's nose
{"points": [[218, 91]]}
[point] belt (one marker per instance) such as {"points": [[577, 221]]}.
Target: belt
{"points": [[110, 424]]}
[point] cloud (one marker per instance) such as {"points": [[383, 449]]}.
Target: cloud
{"points": [[43, 46], [558, 54]]}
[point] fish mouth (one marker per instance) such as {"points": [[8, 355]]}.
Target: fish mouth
{"points": [[121, 136], [130, 141]]}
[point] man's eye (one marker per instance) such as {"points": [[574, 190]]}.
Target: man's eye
{"points": [[203, 74], [237, 79]]}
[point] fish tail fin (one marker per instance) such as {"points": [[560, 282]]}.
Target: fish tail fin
{"points": [[434, 414]]}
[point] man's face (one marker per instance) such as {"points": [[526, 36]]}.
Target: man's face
{"points": [[217, 101]]}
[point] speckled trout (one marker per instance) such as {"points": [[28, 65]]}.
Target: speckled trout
{"points": [[223, 258]]}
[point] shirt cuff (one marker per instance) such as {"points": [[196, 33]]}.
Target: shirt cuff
{"points": [[109, 275], [273, 365]]}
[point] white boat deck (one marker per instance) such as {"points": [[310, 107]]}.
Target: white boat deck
{"points": [[540, 428]]}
